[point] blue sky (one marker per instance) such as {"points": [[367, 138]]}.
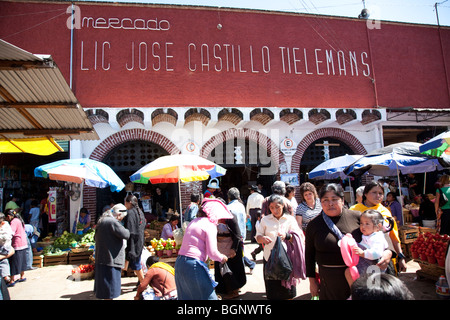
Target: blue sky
{"points": [[414, 11]]}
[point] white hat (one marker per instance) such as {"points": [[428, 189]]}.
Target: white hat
{"points": [[119, 210], [213, 184]]}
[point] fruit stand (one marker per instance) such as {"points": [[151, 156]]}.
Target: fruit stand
{"points": [[69, 248], [78, 249]]}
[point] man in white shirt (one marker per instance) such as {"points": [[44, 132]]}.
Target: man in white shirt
{"points": [[254, 205]]}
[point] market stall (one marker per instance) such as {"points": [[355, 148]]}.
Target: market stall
{"points": [[79, 250]]}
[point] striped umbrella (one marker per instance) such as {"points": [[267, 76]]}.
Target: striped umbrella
{"points": [[176, 169], [438, 146]]}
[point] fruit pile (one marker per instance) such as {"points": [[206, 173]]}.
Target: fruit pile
{"points": [[52, 251], [431, 248], [68, 239], [163, 245]]}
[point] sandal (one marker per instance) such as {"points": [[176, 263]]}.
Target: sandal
{"points": [[21, 280]]}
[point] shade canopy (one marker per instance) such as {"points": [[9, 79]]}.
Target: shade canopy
{"points": [[35, 99], [391, 160], [38, 146], [333, 168], [90, 172], [177, 168], [438, 146]]}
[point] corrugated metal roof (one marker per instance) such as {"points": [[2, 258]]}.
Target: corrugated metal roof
{"points": [[35, 99], [10, 52]]}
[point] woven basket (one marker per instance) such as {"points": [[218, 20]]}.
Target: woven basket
{"points": [[83, 276]]}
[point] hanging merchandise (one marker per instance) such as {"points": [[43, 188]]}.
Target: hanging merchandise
{"points": [[52, 205]]}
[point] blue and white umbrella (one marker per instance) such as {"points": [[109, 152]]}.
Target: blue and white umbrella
{"points": [[391, 160], [90, 172], [333, 168], [83, 171]]}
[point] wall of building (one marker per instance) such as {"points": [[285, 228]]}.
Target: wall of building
{"points": [[175, 75], [170, 56]]}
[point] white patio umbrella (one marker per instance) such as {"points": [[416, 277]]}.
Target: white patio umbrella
{"points": [[333, 168]]}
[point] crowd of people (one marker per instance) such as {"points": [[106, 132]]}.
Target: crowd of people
{"points": [[17, 240], [306, 231], [310, 231]]}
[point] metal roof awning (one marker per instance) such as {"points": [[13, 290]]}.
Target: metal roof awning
{"points": [[36, 101]]}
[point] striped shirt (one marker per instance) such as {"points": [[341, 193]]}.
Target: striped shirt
{"points": [[308, 213]]}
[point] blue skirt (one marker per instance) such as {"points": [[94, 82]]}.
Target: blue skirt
{"points": [[108, 281], [18, 262], [193, 280]]}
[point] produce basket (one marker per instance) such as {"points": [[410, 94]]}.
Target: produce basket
{"points": [[83, 276], [83, 272], [38, 261], [429, 270], [80, 249]]}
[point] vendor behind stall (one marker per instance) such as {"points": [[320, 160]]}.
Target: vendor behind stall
{"points": [[170, 227], [161, 204], [85, 219]]}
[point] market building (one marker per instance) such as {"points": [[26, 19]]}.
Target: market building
{"points": [[267, 95]]}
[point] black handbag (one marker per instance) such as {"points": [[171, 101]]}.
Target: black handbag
{"points": [[442, 199], [279, 266]]}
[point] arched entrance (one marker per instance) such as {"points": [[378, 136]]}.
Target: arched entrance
{"points": [[249, 157], [326, 133], [313, 156], [106, 148], [319, 151], [126, 159]]}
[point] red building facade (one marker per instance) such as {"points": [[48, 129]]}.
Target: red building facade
{"points": [[239, 72]]}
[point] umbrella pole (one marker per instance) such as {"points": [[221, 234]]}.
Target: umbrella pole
{"points": [[400, 192], [424, 182], [75, 222]]}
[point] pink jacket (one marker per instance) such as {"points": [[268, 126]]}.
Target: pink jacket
{"points": [[19, 240], [200, 241]]}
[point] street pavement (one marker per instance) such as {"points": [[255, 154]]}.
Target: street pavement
{"points": [[56, 283]]}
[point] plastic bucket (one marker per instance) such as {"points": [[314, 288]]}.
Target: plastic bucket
{"points": [[429, 224]]}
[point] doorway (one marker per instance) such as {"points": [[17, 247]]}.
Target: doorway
{"points": [[244, 160], [125, 160]]}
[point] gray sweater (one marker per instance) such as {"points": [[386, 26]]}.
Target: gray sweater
{"points": [[109, 244]]}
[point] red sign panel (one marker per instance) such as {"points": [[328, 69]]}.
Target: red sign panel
{"points": [[154, 56]]}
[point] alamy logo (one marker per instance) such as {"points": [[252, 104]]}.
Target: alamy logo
{"points": [[74, 20]]}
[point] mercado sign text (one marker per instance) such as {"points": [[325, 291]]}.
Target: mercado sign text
{"points": [[225, 57], [159, 56]]}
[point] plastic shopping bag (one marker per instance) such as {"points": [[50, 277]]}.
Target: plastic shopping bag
{"points": [[225, 269], [279, 266]]}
